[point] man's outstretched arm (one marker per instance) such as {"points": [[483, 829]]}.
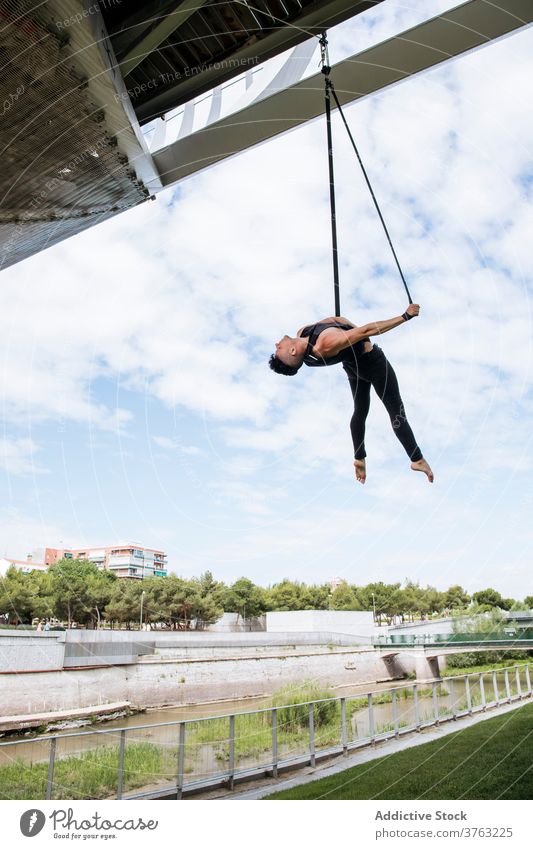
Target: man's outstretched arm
{"points": [[329, 344]]}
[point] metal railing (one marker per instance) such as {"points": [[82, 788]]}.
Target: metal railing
{"points": [[173, 758], [510, 638]]}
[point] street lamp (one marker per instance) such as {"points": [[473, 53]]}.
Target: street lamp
{"points": [[374, 606], [141, 617]]}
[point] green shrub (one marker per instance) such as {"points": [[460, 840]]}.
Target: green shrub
{"points": [[485, 658]]}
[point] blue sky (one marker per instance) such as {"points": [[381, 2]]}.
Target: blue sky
{"points": [[137, 403]]}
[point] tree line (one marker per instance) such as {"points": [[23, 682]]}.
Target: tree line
{"points": [[77, 591]]}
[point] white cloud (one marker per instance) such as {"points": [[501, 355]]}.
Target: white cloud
{"points": [[17, 457], [174, 445], [22, 533]]}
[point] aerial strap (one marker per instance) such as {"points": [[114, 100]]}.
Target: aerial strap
{"points": [[330, 92], [329, 86]]}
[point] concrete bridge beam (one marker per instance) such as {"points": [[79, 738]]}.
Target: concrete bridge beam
{"points": [[426, 668]]}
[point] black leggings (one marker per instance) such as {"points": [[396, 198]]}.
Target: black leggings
{"points": [[373, 369]]}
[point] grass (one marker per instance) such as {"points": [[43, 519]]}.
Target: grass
{"points": [[90, 775], [490, 760]]}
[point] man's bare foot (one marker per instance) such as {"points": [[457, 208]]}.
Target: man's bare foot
{"points": [[422, 466], [360, 470]]}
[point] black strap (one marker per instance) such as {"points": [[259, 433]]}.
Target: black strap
{"points": [[336, 287], [330, 88]]}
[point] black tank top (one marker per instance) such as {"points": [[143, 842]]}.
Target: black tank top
{"points": [[313, 331]]}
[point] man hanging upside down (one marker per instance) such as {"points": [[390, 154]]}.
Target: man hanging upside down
{"points": [[336, 340]]}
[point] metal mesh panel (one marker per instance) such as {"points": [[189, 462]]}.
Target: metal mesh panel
{"points": [[150, 758], [86, 767], [206, 749], [253, 740]]}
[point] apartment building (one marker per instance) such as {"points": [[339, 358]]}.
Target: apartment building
{"points": [[26, 566], [126, 561]]}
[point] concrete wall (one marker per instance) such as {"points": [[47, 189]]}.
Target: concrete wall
{"points": [[235, 622], [154, 683], [27, 650], [358, 623], [32, 650], [42, 650]]}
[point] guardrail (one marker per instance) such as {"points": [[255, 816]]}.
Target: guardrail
{"points": [[173, 758], [511, 637]]}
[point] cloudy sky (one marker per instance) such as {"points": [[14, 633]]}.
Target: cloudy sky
{"points": [[137, 401]]}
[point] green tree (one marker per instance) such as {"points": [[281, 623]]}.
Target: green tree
{"points": [[207, 611], [287, 595], [245, 598], [316, 597], [210, 599], [182, 599], [344, 597], [518, 605], [42, 603], [436, 600], [16, 597], [208, 587], [487, 598], [386, 599], [124, 604], [70, 588], [100, 585], [456, 597], [528, 601]]}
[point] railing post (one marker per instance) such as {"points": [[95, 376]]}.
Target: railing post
{"points": [[507, 685], [231, 751], [468, 695], [181, 761], [435, 702], [482, 692], [395, 714], [417, 707], [528, 679], [518, 682], [495, 688], [120, 778], [51, 766], [371, 719], [274, 743], [452, 698], [344, 730], [312, 758]]}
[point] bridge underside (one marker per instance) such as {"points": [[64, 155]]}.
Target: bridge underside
{"points": [[172, 51], [73, 150], [426, 658]]}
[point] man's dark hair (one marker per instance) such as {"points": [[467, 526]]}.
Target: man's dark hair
{"points": [[280, 367]]}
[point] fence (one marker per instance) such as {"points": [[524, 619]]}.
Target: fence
{"points": [[511, 637], [173, 758]]}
